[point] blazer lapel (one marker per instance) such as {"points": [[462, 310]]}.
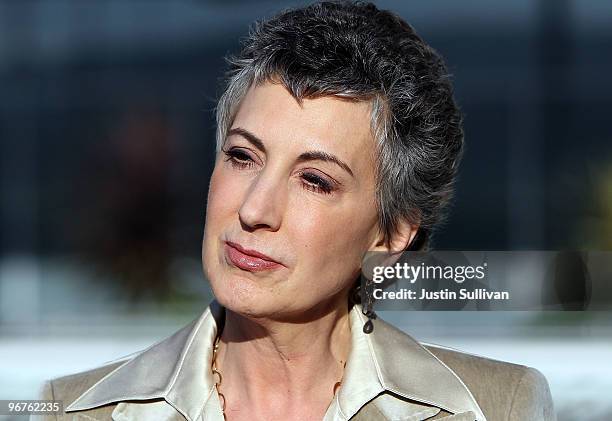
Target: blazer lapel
{"points": [[464, 416], [387, 407], [158, 410]]}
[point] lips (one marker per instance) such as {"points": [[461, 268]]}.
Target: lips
{"points": [[249, 260]]}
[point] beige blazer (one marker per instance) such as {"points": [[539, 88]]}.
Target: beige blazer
{"points": [[388, 376]]}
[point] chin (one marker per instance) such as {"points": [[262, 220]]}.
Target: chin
{"points": [[244, 296]]}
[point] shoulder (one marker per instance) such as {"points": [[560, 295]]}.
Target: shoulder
{"points": [[503, 390], [69, 388]]}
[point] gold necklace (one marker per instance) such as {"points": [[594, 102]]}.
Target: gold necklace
{"points": [[217, 374]]}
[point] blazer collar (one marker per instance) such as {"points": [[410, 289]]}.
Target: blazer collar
{"points": [[173, 370]]}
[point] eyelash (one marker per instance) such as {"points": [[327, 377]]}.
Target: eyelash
{"points": [[238, 159], [312, 182]]}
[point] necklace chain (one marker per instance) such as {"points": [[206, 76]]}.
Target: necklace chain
{"points": [[219, 378], [217, 374]]}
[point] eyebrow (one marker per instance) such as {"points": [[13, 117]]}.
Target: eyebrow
{"points": [[304, 157]]}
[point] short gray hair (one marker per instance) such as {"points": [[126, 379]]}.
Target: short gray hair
{"points": [[354, 50]]}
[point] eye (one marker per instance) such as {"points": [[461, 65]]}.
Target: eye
{"points": [[238, 158], [316, 183]]}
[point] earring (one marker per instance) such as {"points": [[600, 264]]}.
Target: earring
{"points": [[365, 297], [368, 306]]}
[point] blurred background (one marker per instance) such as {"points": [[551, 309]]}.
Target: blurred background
{"points": [[107, 145]]}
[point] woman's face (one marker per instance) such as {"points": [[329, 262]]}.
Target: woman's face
{"points": [[294, 184]]}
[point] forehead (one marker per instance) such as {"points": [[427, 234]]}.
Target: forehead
{"points": [[329, 123]]}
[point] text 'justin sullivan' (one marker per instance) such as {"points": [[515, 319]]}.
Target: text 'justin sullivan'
{"points": [[443, 294]]}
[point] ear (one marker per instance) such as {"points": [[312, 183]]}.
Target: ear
{"points": [[400, 240], [387, 253]]}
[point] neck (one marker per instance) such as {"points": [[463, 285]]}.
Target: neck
{"points": [[287, 366]]}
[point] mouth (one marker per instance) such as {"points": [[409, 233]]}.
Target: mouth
{"points": [[249, 260]]}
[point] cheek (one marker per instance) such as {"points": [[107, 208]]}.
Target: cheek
{"points": [[337, 229], [223, 197], [221, 207], [331, 243]]}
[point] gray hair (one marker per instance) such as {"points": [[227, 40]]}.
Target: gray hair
{"points": [[354, 50]]}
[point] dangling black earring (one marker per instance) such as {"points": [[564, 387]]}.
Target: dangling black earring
{"points": [[367, 307], [365, 297]]}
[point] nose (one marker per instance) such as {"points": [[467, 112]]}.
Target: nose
{"points": [[262, 206]]}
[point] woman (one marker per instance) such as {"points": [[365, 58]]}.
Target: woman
{"points": [[337, 136]]}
